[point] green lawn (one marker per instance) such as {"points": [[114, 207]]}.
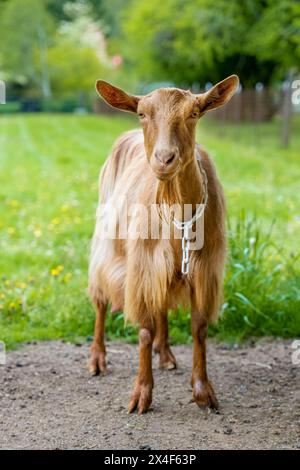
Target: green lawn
{"points": [[49, 167]]}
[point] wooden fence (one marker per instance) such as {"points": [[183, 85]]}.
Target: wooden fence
{"points": [[250, 105]]}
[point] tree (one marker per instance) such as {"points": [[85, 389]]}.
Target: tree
{"points": [[276, 36], [78, 55], [201, 40], [73, 70], [25, 33], [107, 11]]}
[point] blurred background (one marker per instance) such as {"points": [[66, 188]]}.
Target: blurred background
{"points": [[55, 134], [51, 50]]}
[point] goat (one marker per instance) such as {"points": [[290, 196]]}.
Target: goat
{"points": [[143, 276]]}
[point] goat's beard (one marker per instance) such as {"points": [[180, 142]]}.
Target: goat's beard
{"points": [[167, 195]]}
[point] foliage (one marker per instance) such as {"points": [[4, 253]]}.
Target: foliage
{"points": [[48, 192], [105, 10], [45, 55], [204, 40], [276, 34], [79, 40], [25, 34], [75, 74], [178, 41]]}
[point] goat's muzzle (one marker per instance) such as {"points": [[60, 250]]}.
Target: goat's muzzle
{"points": [[165, 162]]}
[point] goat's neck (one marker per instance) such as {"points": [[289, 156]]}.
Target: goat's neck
{"points": [[190, 184]]}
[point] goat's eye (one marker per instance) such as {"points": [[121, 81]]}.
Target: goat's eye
{"points": [[194, 114], [141, 115]]}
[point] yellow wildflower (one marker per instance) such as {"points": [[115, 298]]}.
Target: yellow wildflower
{"points": [[56, 271]]}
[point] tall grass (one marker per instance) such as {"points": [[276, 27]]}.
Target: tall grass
{"points": [[262, 285], [262, 288]]}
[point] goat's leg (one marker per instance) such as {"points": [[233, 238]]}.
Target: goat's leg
{"points": [[97, 362], [203, 391], [141, 397], [161, 343]]}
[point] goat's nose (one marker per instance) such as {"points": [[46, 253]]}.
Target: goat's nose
{"points": [[165, 157]]}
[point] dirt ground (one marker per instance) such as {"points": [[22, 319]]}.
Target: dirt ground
{"points": [[48, 401]]}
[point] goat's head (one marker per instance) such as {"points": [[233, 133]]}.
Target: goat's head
{"points": [[169, 117]]}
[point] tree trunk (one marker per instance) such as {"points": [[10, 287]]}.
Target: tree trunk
{"points": [[46, 88]]}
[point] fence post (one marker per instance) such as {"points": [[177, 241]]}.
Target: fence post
{"points": [[286, 113]]}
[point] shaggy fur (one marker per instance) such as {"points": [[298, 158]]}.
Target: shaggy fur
{"points": [[142, 276]]}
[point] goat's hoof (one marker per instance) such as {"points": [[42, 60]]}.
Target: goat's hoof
{"points": [[141, 398], [97, 363], [204, 395], [167, 360], [170, 365]]}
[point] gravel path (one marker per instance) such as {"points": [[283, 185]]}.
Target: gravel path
{"points": [[48, 401]]}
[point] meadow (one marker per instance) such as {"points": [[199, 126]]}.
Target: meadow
{"points": [[49, 166]]}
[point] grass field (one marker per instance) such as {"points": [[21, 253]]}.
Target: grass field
{"points": [[49, 166]]}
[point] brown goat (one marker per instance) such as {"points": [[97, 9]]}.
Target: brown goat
{"points": [[143, 276]]}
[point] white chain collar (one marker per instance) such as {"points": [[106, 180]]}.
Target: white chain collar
{"points": [[187, 225]]}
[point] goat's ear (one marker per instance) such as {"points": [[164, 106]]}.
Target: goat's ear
{"points": [[219, 94], [116, 97]]}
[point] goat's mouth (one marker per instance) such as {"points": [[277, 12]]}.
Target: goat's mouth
{"points": [[167, 173]]}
